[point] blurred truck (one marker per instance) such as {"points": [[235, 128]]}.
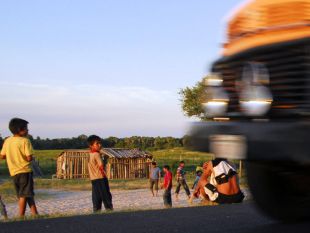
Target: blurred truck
{"points": [[257, 102]]}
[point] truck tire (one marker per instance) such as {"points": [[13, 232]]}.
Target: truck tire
{"points": [[281, 190]]}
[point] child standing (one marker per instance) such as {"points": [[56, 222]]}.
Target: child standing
{"points": [[18, 152], [181, 181], [100, 184], [154, 178], [3, 209], [167, 185], [198, 175]]}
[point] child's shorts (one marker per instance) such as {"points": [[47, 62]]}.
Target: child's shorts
{"points": [[153, 183], [23, 184]]}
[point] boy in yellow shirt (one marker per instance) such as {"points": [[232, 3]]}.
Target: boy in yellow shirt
{"points": [[18, 152]]}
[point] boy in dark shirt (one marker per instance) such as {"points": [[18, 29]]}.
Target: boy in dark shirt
{"points": [[167, 185]]}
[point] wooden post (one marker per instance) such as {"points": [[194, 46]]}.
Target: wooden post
{"points": [[240, 168]]}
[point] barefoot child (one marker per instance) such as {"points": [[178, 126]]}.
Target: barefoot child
{"points": [[198, 175], [3, 209], [100, 184], [181, 181], [18, 152], [167, 185], [154, 178]]}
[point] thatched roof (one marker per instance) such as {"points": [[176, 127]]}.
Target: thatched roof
{"points": [[119, 153]]}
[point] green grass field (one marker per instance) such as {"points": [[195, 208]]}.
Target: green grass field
{"points": [[172, 157]]}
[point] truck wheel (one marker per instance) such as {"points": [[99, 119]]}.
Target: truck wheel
{"points": [[281, 190]]}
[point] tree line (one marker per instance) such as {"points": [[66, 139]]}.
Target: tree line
{"points": [[143, 143]]}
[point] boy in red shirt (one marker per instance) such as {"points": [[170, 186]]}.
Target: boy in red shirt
{"points": [[167, 185]]}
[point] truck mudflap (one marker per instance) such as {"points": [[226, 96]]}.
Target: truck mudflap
{"points": [[285, 140]]}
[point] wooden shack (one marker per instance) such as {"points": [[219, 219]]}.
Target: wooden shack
{"points": [[119, 163]]}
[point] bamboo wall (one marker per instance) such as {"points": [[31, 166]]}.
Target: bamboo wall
{"points": [[128, 168], [74, 165]]}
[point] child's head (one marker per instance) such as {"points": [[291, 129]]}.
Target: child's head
{"points": [[94, 142], [154, 164], [182, 164], [19, 127], [199, 173], [166, 168]]}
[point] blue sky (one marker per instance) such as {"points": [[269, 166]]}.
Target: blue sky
{"points": [[110, 67]]}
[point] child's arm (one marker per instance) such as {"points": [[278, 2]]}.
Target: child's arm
{"points": [[100, 164], [29, 158], [178, 173], [28, 150], [168, 185], [3, 151], [101, 168]]}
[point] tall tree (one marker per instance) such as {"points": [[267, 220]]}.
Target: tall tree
{"points": [[191, 99]]}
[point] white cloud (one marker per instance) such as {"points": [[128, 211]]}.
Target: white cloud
{"points": [[62, 111]]}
